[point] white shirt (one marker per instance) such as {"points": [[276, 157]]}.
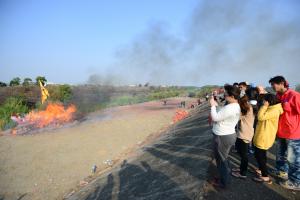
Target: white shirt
{"points": [[226, 119]]}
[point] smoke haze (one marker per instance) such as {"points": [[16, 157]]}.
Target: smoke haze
{"points": [[221, 41]]}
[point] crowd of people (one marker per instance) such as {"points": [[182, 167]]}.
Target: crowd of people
{"points": [[253, 119]]}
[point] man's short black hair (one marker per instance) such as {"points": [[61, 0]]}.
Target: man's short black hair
{"points": [[252, 93], [277, 80], [243, 84]]}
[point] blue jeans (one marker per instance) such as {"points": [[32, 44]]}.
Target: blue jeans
{"points": [[288, 158]]}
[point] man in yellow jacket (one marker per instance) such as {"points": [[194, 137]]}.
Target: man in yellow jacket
{"points": [[265, 134]]}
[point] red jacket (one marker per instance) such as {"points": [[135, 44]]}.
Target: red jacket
{"points": [[289, 122]]}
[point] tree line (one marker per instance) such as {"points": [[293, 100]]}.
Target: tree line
{"points": [[26, 81]]}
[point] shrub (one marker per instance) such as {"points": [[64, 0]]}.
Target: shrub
{"points": [[163, 93], [126, 100], [206, 90], [65, 93], [12, 105], [191, 94], [61, 93]]}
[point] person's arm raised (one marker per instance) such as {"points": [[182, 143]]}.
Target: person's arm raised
{"points": [[224, 113], [265, 114]]}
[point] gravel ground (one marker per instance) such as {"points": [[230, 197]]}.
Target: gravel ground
{"points": [[51, 164]]}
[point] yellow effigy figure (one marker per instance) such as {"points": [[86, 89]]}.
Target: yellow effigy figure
{"points": [[44, 92]]}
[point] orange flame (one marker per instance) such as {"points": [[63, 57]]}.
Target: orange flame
{"points": [[180, 115], [55, 113]]}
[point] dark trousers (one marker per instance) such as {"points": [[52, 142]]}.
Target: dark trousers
{"points": [[222, 146], [242, 148], [261, 158]]}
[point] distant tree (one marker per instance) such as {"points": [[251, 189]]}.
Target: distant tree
{"points": [[146, 85], [42, 79], [15, 81], [27, 81], [152, 88], [140, 85], [191, 94], [297, 88], [2, 84], [207, 89]]}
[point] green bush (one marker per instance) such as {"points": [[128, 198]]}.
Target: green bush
{"points": [[62, 93], [163, 93], [126, 100], [206, 90], [65, 92], [191, 94], [13, 105]]}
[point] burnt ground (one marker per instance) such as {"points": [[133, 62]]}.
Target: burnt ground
{"points": [[177, 166]]}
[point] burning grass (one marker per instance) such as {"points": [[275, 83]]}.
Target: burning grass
{"points": [[55, 113], [180, 115]]}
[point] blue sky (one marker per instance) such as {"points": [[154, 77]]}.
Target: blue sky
{"points": [[67, 41]]}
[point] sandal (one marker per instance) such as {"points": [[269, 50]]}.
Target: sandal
{"points": [[262, 180], [235, 170], [257, 172], [238, 175]]}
